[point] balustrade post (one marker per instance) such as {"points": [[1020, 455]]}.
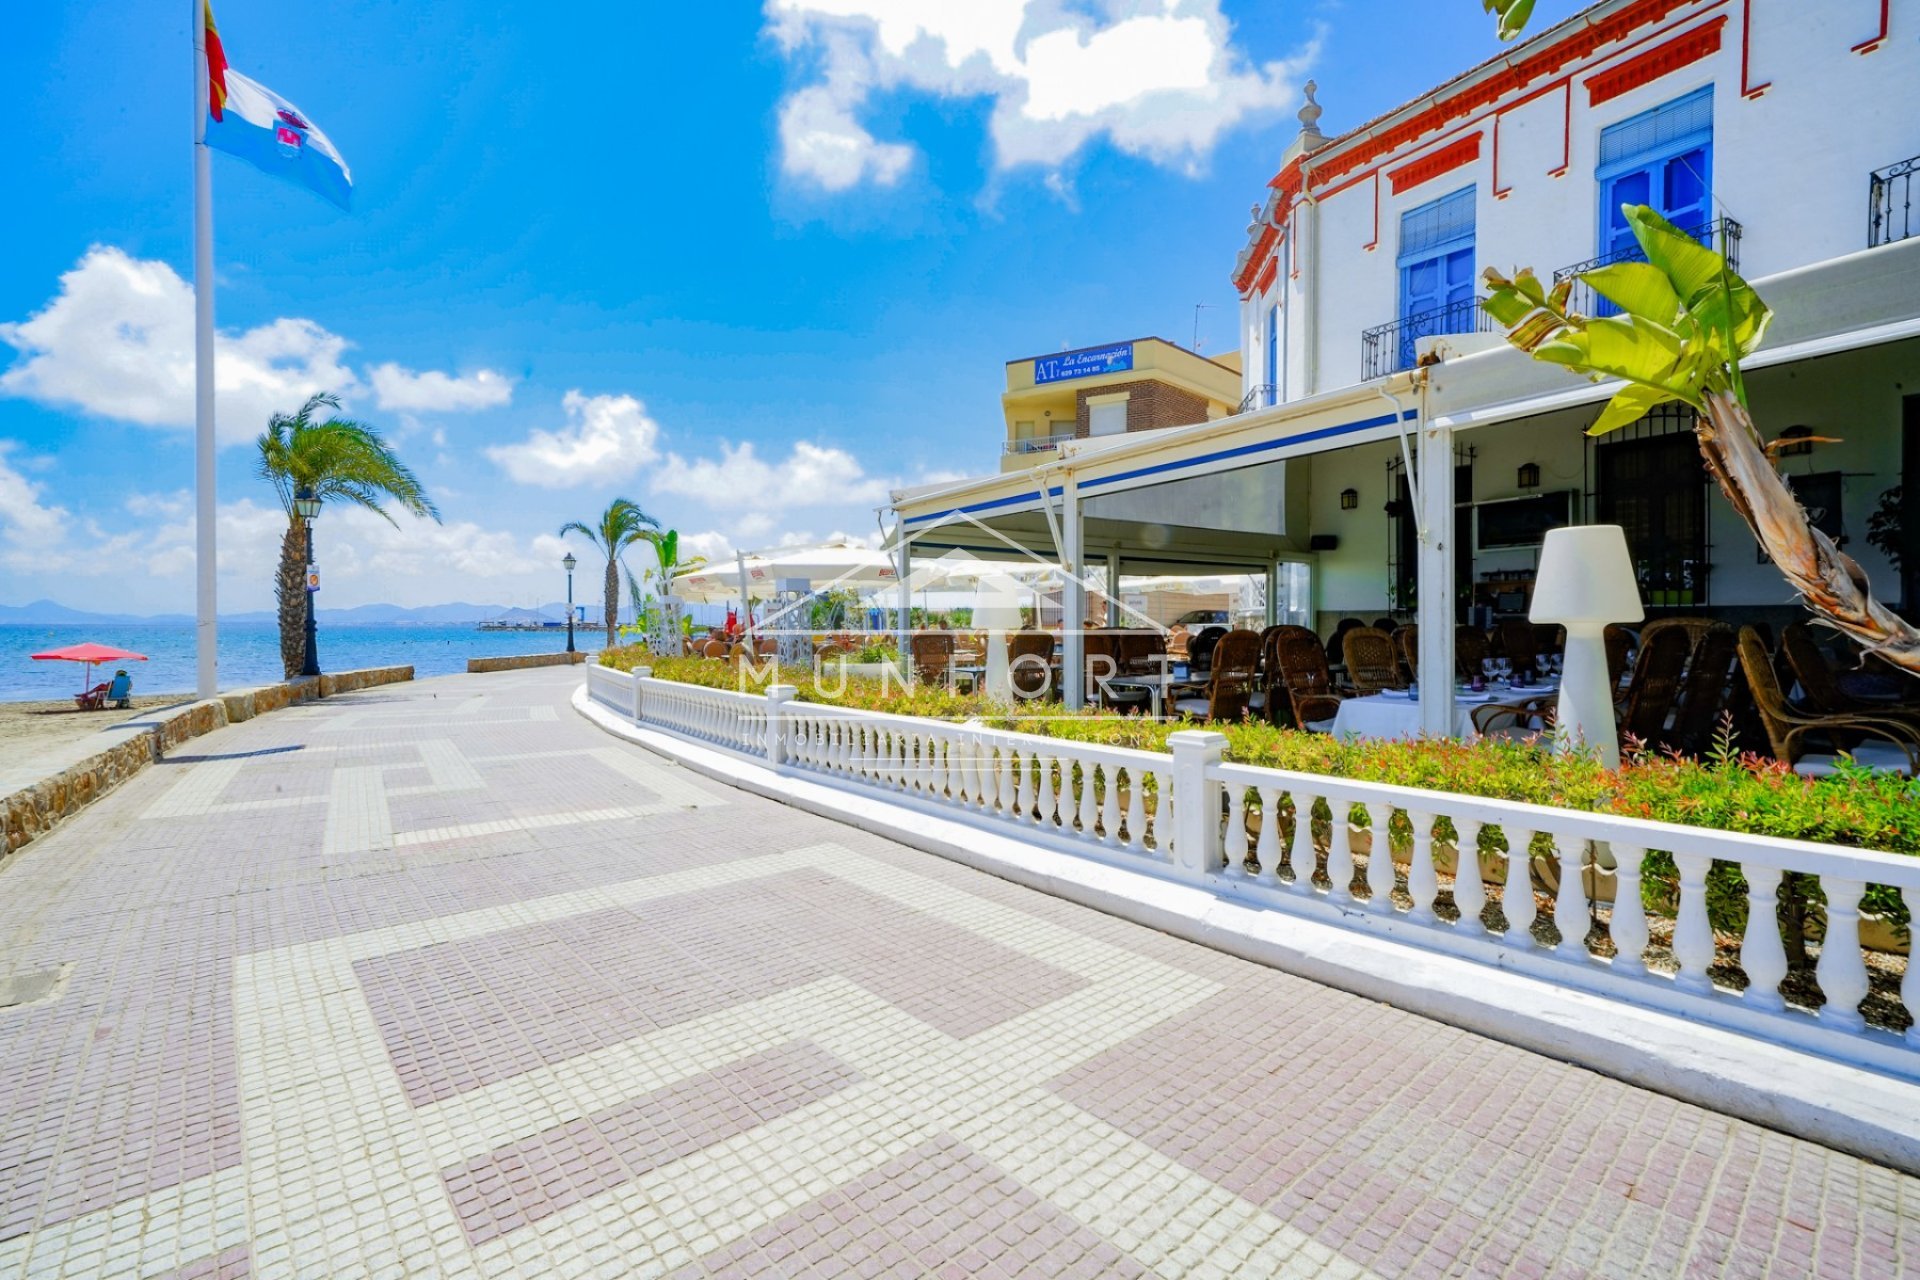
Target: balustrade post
{"points": [[778, 696], [1266, 851], [1236, 849], [1469, 891], [1570, 904], [1423, 882], [1842, 971], [640, 676], [1301, 854], [1379, 858], [1910, 984], [1762, 954], [1692, 932], [1339, 853], [1628, 925], [1516, 899], [1196, 800]]}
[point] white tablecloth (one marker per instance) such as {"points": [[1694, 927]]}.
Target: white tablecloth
{"points": [[1382, 718]]}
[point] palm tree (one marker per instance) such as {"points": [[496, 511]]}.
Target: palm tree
{"points": [[1686, 322], [621, 525], [331, 458]]}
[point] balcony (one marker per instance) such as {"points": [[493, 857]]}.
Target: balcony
{"points": [[1264, 396], [1890, 203], [1721, 233], [1389, 348], [1038, 444]]}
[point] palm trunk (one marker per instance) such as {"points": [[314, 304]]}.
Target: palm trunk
{"points": [[612, 615], [1828, 580], [290, 595]]}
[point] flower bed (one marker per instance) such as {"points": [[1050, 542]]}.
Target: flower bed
{"points": [[1731, 792]]}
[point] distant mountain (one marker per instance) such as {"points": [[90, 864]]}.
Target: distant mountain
{"points": [[49, 611], [457, 613]]}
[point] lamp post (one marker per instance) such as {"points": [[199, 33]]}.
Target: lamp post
{"points": [[307, 507], [1586, 581], [567, 562]]}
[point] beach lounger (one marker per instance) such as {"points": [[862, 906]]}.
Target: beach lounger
{"points": [[94, 699]]}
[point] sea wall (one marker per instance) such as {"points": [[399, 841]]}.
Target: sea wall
{"points": [[33, 811], [522, 661]]}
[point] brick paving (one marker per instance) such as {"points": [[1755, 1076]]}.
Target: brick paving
{"points": [[438, 980]]}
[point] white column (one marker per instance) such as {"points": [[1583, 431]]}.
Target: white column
{"points": [[1273, 590], [1435, 567], [903, 625], [1196, 802], [1113, 589], [1073, 601], [205, 556]]}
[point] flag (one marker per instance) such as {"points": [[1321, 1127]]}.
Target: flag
{"points": [[249, 120]]}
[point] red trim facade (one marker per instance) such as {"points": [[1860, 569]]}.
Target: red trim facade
{"points": [[1880, 38], [1265, 282], [1453, 156], [1662, 60]]}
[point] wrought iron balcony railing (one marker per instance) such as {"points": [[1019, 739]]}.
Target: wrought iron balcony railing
{"points": [[1038, 444], [1264, 396], [1389, 348], [1722, 234], [1890, 213]]}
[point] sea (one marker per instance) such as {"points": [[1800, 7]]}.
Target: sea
{"points": [[250, 652]]}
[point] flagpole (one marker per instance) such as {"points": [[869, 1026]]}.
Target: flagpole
{"points": [[206, 634]]}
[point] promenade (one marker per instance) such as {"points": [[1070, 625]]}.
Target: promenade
{"points": [[439, 980]]}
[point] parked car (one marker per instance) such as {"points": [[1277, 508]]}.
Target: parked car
{"points": [[1195, 618]]}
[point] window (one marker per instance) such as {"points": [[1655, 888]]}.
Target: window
{"points": [[1663, 158], [1436, 271], [1107, 419], [1655, 488], [1273, 355]]}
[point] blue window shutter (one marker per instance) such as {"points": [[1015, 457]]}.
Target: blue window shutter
{"points": [[1436, 270], [1662, 158]]}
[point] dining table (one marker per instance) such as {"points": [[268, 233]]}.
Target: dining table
{"points": [[1395, 714]]}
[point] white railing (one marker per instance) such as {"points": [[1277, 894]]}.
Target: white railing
{"points": [[1233, 828], [1096, 799], [611, 688]]}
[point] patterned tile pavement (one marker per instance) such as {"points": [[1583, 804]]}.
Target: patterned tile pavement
{"points": [[437, 980]]}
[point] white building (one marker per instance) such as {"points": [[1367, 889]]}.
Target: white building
{"points": [[1782, 129]]}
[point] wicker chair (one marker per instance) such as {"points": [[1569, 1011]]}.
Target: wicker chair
{"points": [[1200, 646], [1619, 643], [1704, 695], [1030, 662], [1820, 683], [1230, 689], [1470, 651], [1407, 641], [932, 655], [1143, 651], [1655, 687], [1875, 743], [1305, 681], [1372, 662], [1516, 641]]}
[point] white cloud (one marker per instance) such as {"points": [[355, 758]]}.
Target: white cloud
{"points": [[605, 438], [117, 340], [29, 530], [1159, 79], [740, 479], [404, 390]]}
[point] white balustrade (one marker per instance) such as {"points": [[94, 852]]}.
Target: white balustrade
{"points": [[1118, 803]]}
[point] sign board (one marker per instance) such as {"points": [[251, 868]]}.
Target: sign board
{"points": [[1085, 363], [313, 578]]}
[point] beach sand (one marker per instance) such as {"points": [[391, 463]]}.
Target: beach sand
{"points": [[35, 730]]}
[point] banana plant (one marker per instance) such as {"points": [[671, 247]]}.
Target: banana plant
{"points": [[1513, 15], [1686, 321]]}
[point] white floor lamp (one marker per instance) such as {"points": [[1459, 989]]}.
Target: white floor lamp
{"points": [[1586, 581]]}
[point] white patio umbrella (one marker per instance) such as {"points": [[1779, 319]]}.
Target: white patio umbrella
{"points": [[828, 565]]}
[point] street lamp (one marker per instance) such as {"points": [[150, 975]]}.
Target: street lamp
{"points": [[567, 562], [307, 507]]}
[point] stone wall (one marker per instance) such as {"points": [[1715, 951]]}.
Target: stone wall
{"points": [[522, 661], [33, 811]]}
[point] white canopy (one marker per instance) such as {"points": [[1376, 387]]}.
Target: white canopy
{"points": [[829, 565]]}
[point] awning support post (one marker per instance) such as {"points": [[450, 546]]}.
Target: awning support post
{"points": [[1073, 601], [903, 624], [1435, 612]]}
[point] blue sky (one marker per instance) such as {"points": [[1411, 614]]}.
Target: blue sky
{"points": [[748, 264]]}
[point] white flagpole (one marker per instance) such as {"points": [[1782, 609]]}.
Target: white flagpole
{"points": [[206, 632]]}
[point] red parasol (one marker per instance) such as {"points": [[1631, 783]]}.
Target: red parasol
{"points": [[91, 654]]}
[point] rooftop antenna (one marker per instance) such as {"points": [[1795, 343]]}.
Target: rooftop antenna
{"points": [[1198, 307]]}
